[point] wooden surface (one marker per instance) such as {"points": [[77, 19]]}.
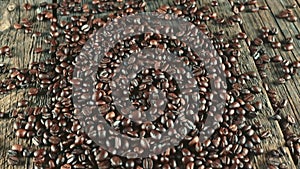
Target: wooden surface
{"points": [[23, 55], [22, 46]]}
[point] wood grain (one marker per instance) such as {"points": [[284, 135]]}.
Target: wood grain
{"points": [[289, 90], [22, 46], [247, 64]]}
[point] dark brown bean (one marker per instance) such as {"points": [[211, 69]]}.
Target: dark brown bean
{"points": [[242, 35], [17, 147], [290, 119], [258, 41], [38, 50], [281, 80], [27, 6], [17, 26], [258, 105], [276, 45], [292, 18], [21, 133], [214, 3], [288, 47], [264, 7], [277, 58], [66, 166]]}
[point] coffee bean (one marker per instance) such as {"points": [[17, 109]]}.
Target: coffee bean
{"points": [[66, 166], [40, 17], [288, 47], [21, 133], [291, 119], [17, 147], [27, 6], [256, 89], [258, 105], [296, 64], [214, 3], [147, 163], [242, 35], [54, 125], [281, 80], [257, 41], [38, 50], [33, 91], [264, 7], [276, 45], [292, 18], [277, 58], [271, 38], [17, 26], [253, 10], [115, 161]]}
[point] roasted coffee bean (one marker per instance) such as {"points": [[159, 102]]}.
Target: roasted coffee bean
{"points": [[270, 38], [40, 17], [257, 41], [33, 91], [277, 58], [292, 18], [17, 26], [66, 166], [147, 163], [38, 50], [17, 147], [21, 133], [264, 7], [281, 80], [284, 14], [276, 45], [27, 6], [116, 161], [214, 3], [242, 35], [288, 47], [256, 89], [253, 10]]}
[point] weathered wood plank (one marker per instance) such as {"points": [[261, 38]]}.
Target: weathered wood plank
{"points": [[22, 46], [247, 64], [291, 89]]}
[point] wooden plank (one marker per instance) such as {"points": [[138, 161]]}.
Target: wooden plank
{"points": [[22, 46], [247, 64], [291, 89]]}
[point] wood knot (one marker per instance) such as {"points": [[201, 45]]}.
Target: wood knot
{"points": [[11, 7]]}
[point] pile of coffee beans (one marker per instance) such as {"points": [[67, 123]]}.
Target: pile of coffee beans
{"points": [[55, 130]]}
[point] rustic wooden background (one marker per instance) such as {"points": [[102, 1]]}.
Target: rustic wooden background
{"points": [[23, 44]]}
